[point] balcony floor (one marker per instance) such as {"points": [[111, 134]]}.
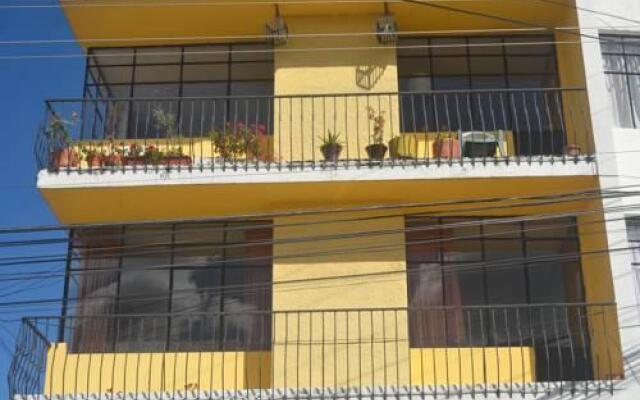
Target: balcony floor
{"points": [[363, 170], [566, 389]]}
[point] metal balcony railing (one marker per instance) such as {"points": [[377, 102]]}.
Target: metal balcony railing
{"points": [[317, 131], [513, 350]]}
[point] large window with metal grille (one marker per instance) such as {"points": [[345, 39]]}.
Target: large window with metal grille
{"points": [[622, 70], [175, 79], [487, 83], [179, 287], [474, 282]]}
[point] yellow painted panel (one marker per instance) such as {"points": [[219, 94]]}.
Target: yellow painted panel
{"points": [[472, 365], [152, 202], [344, 348], [201, 21], [421, 144], [70, 373]]}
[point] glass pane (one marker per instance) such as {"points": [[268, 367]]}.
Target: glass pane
{"points": [[450, 66], [410, 47], [610, 44], [111, 75], [561, 228], [620, 101], [614, 63], [413, 66], [487, 65], [634, 85], [251, 52], [252, 71], [448, 46], [207, 53], [531, 65], [486, 46], [155, 74], [158, 55], [215, 72], [540, 45], [106, 56]]}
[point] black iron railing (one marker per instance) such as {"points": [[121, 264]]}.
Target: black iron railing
{"points": [[392, 352], [296, 132]]}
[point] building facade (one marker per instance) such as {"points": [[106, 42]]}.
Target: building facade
{"points": [[371, 199]]}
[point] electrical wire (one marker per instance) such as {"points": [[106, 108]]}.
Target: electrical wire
{"points": [[335, 210]]}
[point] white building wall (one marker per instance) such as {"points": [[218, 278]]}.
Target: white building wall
{"points": [[618, 155]]}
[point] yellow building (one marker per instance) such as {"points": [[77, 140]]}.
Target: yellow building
{"points": [[372, 199]]}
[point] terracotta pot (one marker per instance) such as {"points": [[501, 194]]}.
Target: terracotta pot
{"points": [[448, 148], [113, 160], [177, 160], [331, 152], [66, 157], [572, 150], [94, 162], [134, 160], [263, 150], [376, 151]]}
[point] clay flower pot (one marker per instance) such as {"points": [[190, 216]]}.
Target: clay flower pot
{"points": [[376, 151], [447, 148], [63, 158]]}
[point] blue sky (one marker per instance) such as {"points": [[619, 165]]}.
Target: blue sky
{"points": [[24, 85]]}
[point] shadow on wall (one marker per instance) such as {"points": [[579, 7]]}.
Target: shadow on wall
{"points": [[368, 75]]}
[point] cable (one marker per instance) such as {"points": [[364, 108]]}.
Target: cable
{"points": [[332, 210], [22, 260], [469, 267], [298, 49], [592, 11]]}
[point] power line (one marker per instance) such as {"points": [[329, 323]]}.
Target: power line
{"points": [[162, 247], [334, 210], [589, 10]]}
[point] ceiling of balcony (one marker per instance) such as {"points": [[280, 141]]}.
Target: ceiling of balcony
{"points": [[113, 21]]}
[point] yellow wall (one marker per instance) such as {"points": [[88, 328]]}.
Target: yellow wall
{"points": [[334, 280], [472, 365], [68, 373], [300, 124]]}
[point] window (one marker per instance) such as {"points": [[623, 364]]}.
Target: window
{"points": [[176, 79], [621, 56], [446, 76], [461, 272], [633, 236], [181, 287]]}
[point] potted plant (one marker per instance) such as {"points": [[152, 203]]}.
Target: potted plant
{"points": [[59, 137], [134, 154], [153, 155], [231, 142], [377, 149], [93, 156], [447, 147], [115, 155], [331, 146], [258, 147]]}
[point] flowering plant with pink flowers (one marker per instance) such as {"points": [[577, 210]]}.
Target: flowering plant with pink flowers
{"points": [[238, 139]]}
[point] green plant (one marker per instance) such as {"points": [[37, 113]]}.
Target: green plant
{"points": [[92, 153], [153, 154], [165, 121], [331, 139], [379, 122], [58, 128]]}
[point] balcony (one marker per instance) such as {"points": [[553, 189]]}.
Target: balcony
{"points": [[513, 350], [272, 138]]}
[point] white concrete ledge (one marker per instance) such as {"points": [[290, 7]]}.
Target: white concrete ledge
{"points": [[536, 390], [352, 171]]}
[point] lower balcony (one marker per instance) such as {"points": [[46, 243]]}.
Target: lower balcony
{"points": [[397, 353], [274, 138]]}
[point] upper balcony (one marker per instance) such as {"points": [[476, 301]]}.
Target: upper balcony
{"points": [[427, 135]]}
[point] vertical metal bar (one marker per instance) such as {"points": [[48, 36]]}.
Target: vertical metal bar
{"points": [[65, 289]]}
